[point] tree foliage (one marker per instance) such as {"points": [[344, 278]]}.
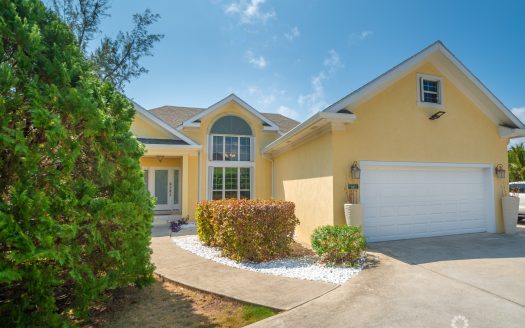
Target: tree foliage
{"points": [[517, 163], [75, 216], [117, 59]]}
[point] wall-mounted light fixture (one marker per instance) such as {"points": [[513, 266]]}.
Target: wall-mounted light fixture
{"points": [[160, 158], [355, 171], [436, 115], [500, 171]]}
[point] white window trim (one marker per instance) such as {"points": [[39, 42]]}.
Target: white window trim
{"points": [[224, 146], [238, 164], [419, 81], [238, 189], [171, 169]]}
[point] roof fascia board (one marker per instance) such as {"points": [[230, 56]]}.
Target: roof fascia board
{"points": [[467, 92], [398, 71], [320, 116], [383, 79], [157, 121], [191, 121], [477, 82]]}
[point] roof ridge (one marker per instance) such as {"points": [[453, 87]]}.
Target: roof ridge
{"points": [[177, 106]]}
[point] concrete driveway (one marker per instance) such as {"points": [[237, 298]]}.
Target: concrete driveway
{"points": [[431, 282]]}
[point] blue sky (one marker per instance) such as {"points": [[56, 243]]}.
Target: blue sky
{"points": [[297, 57]]}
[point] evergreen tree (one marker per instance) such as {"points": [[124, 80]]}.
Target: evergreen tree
{"points": [[75, 216], [117, 59]]}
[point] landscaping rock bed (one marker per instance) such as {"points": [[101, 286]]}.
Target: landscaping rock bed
{"points": [[306, 267]]}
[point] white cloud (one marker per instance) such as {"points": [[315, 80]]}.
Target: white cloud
{"points": [[271, 100], [315, 100], [361, 36], [519, 112], [263, 99], [249, 11], [293, 34], [256, 61], [333, 61], [288, 112]]}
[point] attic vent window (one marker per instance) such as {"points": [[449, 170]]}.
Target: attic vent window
{"points": [[429, 90]]}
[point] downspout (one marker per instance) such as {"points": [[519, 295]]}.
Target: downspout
{"points": [[273, 193], [199, 176]]}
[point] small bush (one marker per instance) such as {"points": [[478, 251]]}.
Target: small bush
{"points": [[247, 230], [339, 244]]}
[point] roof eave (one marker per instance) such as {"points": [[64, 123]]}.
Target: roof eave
{"points": [[506, 132], [320, 117]]}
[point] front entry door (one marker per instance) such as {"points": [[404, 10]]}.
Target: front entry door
{"points": [[164, 184], [162, 189]]}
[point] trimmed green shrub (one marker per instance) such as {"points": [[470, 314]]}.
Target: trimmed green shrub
{"points": [[247, 230], [339, 244], [75, 217]]}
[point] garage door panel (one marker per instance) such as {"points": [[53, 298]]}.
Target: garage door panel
{"points": [[418, 201]]}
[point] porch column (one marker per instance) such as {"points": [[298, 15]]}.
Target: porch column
{"points": [[185, 186]]}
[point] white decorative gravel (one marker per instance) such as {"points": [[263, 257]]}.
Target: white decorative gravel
{"points": [[300, 268]]}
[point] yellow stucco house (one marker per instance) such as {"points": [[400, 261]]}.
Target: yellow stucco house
{"points": [[427, 136]]}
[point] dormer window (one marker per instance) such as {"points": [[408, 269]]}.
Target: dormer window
{"points": [[429, 90]]}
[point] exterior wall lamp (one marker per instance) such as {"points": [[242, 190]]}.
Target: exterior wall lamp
{"points": [[355, 171], [436, 115], [500, 172], [160, 158]]}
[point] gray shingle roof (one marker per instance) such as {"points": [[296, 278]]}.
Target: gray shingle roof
{"points": [[175, 115]]}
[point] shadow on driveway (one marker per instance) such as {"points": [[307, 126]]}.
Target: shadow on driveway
{"points": [[455, 247]]}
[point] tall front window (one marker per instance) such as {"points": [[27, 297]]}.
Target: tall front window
{"points": [[231, 159]]}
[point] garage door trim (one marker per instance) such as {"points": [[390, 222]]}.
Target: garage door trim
{"points": [[487, 170]]}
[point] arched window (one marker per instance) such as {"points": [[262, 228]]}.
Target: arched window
{"points": [[231, 125], [231, 159]]}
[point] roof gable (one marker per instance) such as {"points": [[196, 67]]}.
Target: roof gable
{"points": [[155, 121], [194, 121], [451, 67], [176, 115]]}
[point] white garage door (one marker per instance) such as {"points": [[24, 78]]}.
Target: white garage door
{"points": [[422, 200]]}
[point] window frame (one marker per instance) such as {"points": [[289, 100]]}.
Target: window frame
{"points": [[238, 188], [420, 78], [213, 164], [251, 141]]}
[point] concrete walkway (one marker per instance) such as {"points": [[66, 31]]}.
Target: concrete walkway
{"points": [[428, 282], [276, 292]]}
